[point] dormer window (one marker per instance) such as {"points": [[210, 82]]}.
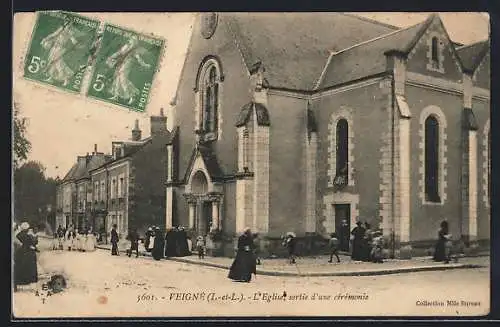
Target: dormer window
{"points": [[435, 54], [208, 103]]}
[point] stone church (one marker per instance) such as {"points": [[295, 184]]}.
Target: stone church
{"points": [[302, 121]]}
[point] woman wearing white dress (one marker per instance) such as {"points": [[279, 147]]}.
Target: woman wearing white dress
{"points": [[68, 243], [77, 241], [90, 242]]}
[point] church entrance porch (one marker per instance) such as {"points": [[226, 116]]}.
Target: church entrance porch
{"points": [[204, 205]]}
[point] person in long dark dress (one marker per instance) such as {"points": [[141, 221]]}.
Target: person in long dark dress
{"points": [[358, 234], [114, 241], [344, 236], [26, 272], [133, 237], [17, 247], [366, 243], [440, 254], [147, 239], [159, 246], [243, 266], [182, 243], [171, 246]]}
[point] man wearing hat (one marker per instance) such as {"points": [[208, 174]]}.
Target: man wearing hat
{"points": [[114, 240]]}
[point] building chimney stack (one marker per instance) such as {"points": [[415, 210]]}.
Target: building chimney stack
{"points": [[136, 132], [158, 124], [95, 148]]}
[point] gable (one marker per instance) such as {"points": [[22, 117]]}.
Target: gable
{"points": [[203, 159], [481, 77], [419, 61]]}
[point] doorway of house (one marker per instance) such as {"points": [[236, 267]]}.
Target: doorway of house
{"points": [[343, 225], [205, 218]]}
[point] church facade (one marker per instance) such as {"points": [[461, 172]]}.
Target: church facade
{"points": [[299, 122]]}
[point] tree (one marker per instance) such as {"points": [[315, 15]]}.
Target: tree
{"points": [[22, 145], [33, 192]]}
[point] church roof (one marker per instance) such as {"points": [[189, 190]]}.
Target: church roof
{"points": [[368, 58], [472, 54], [294, 47], [260, 110]]}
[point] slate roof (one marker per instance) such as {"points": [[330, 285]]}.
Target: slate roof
{"points": [[211, 162], [471, 55], [368, 58], [83, 166], [209, 158], [261, 111], [294, 47]]}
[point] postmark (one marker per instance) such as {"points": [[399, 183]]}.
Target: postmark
{"points": [[125, 66], [60, 48]]}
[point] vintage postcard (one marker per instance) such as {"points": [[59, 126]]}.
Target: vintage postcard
{"points": [[251, 165]]}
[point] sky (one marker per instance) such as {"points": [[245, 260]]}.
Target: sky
{"points": [[62, 126]]}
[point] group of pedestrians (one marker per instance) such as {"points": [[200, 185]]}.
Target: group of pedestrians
{"points": [[174, 243], [25, 263], [72, 239], [367, 245]]}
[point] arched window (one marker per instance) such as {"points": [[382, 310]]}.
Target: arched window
{"points": [[342, 146], [342, 153], [208, 94], [435, 52], [211, 99], [432, 159]]}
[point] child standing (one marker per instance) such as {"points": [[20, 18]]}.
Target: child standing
{"points": [[200, 247], [290, 244], [334, 247]]}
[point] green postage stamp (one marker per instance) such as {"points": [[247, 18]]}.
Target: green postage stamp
{"points": [[60, 48], [125, 67]]}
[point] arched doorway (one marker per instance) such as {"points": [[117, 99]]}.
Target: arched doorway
{"points": [[199, 188]]}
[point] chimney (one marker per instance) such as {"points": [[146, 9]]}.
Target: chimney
{"points": [[158, 124], [95, 149], [136, 132]]}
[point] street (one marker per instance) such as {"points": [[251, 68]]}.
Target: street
{"points": [[100, 285]]}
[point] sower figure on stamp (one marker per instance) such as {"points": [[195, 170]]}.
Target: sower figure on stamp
{"points": [[122, 86], [57, 45], [114, 240]]}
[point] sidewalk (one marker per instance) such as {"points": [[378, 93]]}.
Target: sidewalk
{"points": [[318, 266]]}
